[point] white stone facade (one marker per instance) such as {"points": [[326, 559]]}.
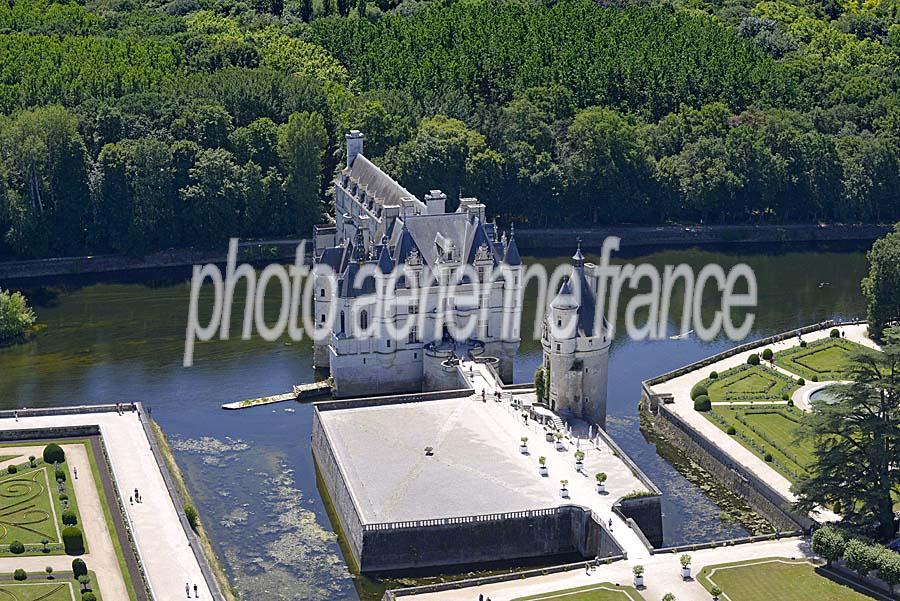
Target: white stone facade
{"points": [[575, 341], [407, 276]]}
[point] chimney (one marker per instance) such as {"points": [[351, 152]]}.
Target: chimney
{"points": [[354, 145], [435, 202]]}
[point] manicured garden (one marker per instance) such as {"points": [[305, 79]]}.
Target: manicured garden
{"points": [[775, 579], [47, 586], [38, 509], [821, 360], [769, 432], [604, 591], [750, 383]]}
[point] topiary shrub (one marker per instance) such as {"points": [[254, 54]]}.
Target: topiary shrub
{"points": [[88, 596], [698, 390], [63, 496], [16, 547], [802, 344], [69, 517], [753, 359], [731, 431], [79, 568], [835, 333], [785, 396], [767, 354], [790, 402], [73, 540], [20, 574], [60, 474], [768, 457], [53, 453], [815, 378], [702, 403], [801, 382], [713, 375], [11, 469]]}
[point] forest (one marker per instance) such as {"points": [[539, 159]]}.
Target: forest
{"points": [[130, 126]]}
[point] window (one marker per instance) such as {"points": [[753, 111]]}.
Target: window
{"points": [[413, 309], [322, 320], [389, 343], [364, 320], [558, 323], [415, 355], [342, 322], [557, 348], [322, 292], [413, 336]]}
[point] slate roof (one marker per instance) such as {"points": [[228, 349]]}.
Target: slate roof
{"points": [[377, 184]]}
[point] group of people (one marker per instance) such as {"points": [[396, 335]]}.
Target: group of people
{"points": [[121, 408], [187, 591], [136, 497]]}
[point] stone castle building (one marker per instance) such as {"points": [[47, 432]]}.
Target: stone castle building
{"points": [[575, 340], [382, 228]]}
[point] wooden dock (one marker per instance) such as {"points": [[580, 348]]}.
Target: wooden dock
{"points": [[301, 392]]}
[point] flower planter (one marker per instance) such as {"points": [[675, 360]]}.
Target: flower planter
{"points": [[543, 470], [579, 466], [549, 437], [560, 446], [601, 488], [564, 493], [686, 573], [638, 581], [523, 449]]}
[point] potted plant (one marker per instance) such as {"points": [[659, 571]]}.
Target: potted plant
{"points": [[638, 572], [524, 446], [715, 591], [579, 460], [685, 566], [559, 443], [548, 435], [563, 490], [543, 463], [668, 597], [601, 479]]}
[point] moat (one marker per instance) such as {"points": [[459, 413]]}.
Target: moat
{"points": [[122, 340]]}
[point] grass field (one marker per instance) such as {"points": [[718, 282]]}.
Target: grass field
{"points": [[775, 579], [7, 457], [822, 360], [38, 587], [753, 383], [768, 432], [604, 591]]}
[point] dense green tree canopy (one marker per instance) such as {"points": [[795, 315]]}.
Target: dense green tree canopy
{"points": [[119, 119]]}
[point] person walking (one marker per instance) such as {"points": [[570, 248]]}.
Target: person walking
{"points": [[75, 472], [187, 590], [196, 594]]}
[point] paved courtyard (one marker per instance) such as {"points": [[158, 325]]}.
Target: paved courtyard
{"points": [[476, 467], [162, 543]]}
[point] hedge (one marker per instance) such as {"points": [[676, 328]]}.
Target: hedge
{"points": [[698, 390], [753, 359], [79, 568], [69, 517], [73, 540], [53, 453], [20, 574], [702, 403]]}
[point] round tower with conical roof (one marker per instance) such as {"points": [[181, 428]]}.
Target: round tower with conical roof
{"points": [[575, 341]]}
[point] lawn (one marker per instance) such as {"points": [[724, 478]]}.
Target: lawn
{"points": [[768, 430], [39, 588], [604, 591], [7, 457], [753, 383], [775, 579], [822, 360]]}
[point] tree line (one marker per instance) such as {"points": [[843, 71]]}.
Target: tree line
{"points": [[130, 127]]}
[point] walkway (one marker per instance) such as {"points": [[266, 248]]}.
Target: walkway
{"points": [[683, 406], [561, 464], [162, 543], [662, 574]]}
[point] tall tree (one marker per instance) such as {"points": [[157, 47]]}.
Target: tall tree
{"points": [[301, 146], [881, 286], [857, 443]]}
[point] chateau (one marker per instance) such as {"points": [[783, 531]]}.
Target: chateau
{"points": [[575, 340], [383, 229]]}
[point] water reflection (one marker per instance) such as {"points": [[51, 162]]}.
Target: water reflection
{"points": [[251, 471]]}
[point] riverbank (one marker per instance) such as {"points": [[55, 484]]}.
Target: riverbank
{"points": [[531, 241]]}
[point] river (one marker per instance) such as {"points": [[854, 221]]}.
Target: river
{"points": [[121, 338]]}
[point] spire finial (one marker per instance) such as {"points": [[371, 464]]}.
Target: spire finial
{"points": [[578, 258]]}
